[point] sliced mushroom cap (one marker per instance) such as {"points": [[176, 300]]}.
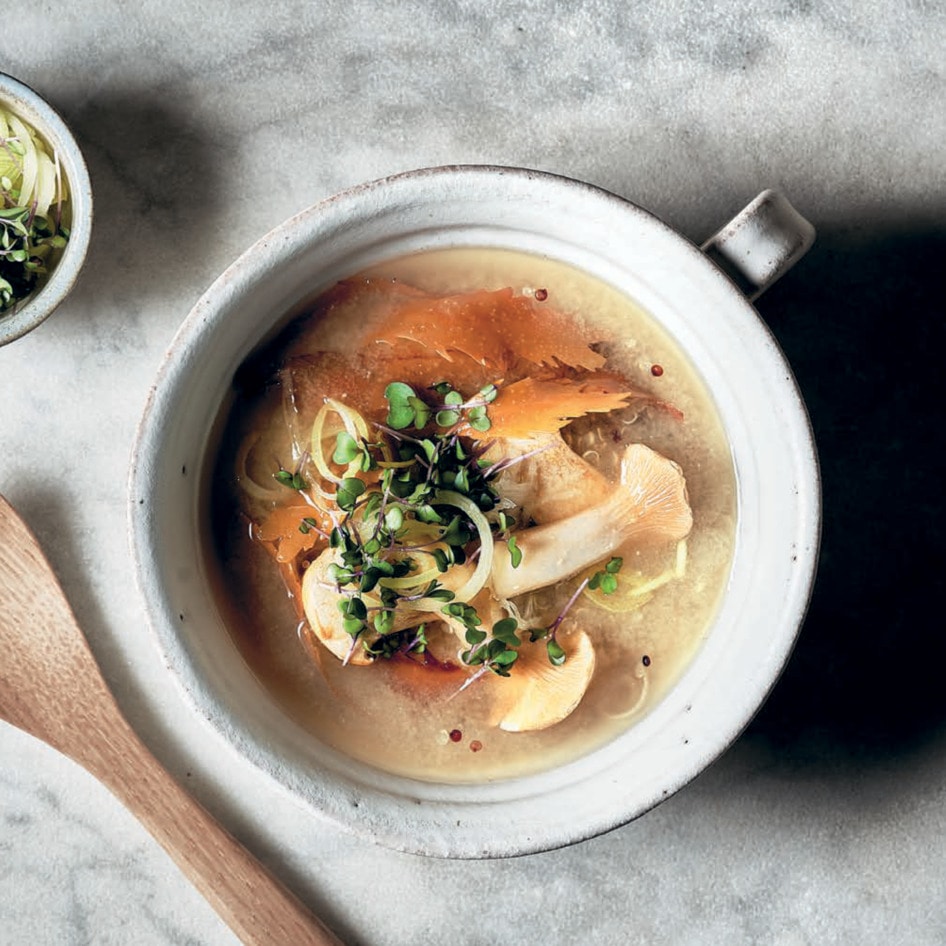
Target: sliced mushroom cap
{"points": [[537, 694], [320, 603], [657, 495]]}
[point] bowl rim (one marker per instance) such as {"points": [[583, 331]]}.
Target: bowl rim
{"points": [[42, 116], [200, 326]]}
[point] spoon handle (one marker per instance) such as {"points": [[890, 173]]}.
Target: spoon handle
{"points": [[51, 687], [256, 906]]}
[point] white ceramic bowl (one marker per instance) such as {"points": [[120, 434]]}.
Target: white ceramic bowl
{"points": [[778, 493], [41, 116]]}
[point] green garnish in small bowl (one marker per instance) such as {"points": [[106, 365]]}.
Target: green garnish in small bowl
{"points": [[45, 209], [33, 194]]}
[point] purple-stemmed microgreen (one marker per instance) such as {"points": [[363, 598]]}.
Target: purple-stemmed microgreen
{"points": [[605, 579], [421, 455]]}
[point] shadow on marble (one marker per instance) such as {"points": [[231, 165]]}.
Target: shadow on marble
{"points": [[158, 187], [861, 321]]}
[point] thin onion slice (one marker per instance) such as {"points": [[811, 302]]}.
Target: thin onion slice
{"points": [[250, 486], [45, 189], [28, 158], [638, 704], [353, 423], [419, 580], [485, 564]]}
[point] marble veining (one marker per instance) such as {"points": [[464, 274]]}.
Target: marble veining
{"points": [[204, 126]]}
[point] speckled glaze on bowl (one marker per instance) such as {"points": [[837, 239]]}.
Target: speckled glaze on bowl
{"points": [[765, 419], [39, 114]]}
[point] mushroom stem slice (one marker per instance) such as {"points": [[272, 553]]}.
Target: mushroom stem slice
{"points": [[648, 505]]}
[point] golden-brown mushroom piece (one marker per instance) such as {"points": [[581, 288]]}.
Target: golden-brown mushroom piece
{"points": [[320, 597], [648, 504], [546, 479], [537, 694]]}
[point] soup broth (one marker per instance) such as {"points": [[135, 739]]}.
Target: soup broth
{"points": [[427, 714]]}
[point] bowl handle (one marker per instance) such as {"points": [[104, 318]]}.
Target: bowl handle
{"points": [[761, 243]]}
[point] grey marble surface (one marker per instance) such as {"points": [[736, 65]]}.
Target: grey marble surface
{"points": [[204, 125]]}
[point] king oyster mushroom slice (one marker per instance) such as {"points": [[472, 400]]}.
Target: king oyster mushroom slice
{"points": [[537, 694], [546, 479], [648, 504], [320, 597]]}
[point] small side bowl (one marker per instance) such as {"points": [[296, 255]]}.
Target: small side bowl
{"points": [[38, 113]]}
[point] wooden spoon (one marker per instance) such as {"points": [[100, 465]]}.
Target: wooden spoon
{"points": [[51, 687]]}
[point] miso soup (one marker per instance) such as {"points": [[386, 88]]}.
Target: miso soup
{"points": [[472, 515]]}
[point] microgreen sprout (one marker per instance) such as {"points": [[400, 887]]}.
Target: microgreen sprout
{"points": [[395, 489], [605, 579], [496, 651], [347, 450], [492, 653], [407, 409], [504, 522], [308, 524], [348, 492], [411, 641], [290, 480]]}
